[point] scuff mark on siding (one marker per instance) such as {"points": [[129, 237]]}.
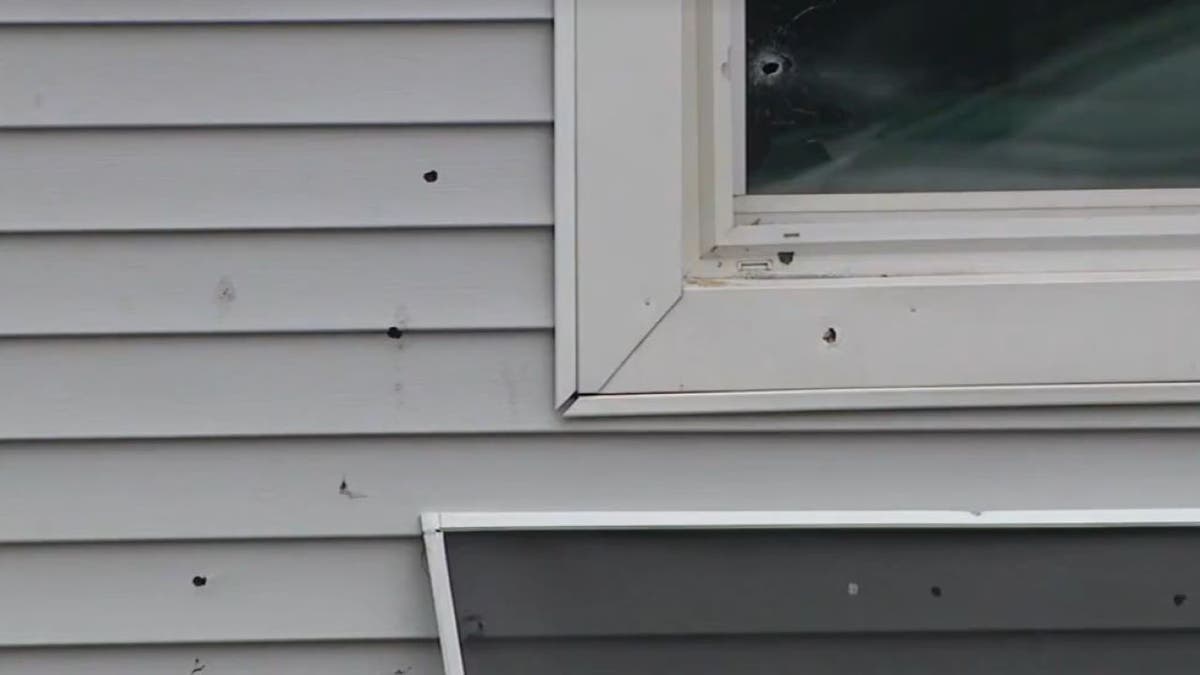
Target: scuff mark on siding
{"points": [[226, 293]]}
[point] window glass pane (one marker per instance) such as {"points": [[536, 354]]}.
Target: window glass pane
{"points": [[849, 96], [827, 602]]}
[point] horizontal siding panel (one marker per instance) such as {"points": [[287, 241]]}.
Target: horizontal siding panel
{"points": [[127, 11], [346, 384], [255, 592], [203, 74], [172, 179], [240, 488], [370, 658], [293, 385], [213, 282]]}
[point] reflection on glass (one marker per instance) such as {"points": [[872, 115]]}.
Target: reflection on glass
{"points": [[851, 96]]}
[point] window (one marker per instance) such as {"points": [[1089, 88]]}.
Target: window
{"points": [[844, 592], [870, 96], [779, 206]]}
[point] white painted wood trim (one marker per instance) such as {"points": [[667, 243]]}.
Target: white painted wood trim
{"points": [[912, 333], [1084, 226], [897, 398], [968, 201], [630, 131], [798, 520], [1082, 215], [1047, 339], [718, 150], [737, 63], [565, 252], [443, 594]]}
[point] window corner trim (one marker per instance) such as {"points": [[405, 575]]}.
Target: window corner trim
{"points": [[889, 398]]}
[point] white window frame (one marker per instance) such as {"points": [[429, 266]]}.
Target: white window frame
{"points": [[435, 526], [781, 220], [673, 297]]}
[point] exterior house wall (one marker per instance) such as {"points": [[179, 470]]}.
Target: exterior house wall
{"points": [[212, 455]]}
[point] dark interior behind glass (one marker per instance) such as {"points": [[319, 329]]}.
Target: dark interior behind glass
{"points": [[855, 602], [849, 96]]}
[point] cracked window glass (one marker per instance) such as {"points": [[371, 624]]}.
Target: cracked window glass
{"points": [[868, 96]]}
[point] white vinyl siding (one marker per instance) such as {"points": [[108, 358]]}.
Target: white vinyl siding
{"points": [[283, 281], [313, 73], [291, 658], [254, 592], [186, 11], [54, 180], [214, 212], [224, 489], [193, 348]]}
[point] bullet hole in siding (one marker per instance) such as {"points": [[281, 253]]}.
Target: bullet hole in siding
{"points": [[198, 667], [431, 176], [936, 591], [199, 581], [395, 333], [345, 491], [830, 337], [771, 67], [786, 257], [1180, 600]]}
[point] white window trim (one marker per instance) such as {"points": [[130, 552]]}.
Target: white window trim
{"points": [[565, 333], [647, 325], [436, 525]]}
